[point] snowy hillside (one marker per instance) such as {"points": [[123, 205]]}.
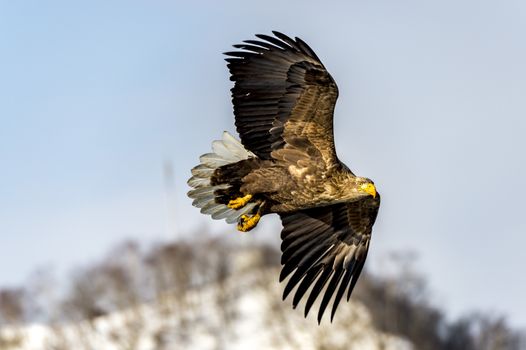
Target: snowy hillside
{"points": [[244, 311], [211, 294]]}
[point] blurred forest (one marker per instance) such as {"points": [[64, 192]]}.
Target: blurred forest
{"points": [[177, 278]]}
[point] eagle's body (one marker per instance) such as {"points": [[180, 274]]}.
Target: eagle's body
{"points": [[287, 187], [286, 163]]}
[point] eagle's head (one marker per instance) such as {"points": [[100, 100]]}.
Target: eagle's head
{"points": [[366, 186]]}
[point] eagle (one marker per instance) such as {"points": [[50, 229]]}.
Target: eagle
{"points": [[286, 163]]}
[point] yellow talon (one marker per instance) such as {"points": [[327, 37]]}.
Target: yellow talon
{"points": [[247, 223], [239, 202]]}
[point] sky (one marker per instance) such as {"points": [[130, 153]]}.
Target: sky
{"points": [[99, 99]]}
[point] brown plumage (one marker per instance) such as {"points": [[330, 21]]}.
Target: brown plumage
{"points": [[286, 163]]}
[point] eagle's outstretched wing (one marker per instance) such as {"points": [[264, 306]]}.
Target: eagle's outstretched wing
{"points": [[283, 100], [326, 245]]}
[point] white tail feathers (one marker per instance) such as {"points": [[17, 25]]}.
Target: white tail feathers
{"points": [[225, 151]]}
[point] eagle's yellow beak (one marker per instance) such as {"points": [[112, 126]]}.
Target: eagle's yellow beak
{"points": [[369, 188]]}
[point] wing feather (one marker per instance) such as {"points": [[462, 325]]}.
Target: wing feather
{"points": [[326, 247], [320, 283], [282, 92], [343, 285], [331, 288]]}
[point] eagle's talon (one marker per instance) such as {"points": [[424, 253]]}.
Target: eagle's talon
{"points": [[247, 223], [239, 202]]}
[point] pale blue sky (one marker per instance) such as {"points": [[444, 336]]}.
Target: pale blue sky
{"points": [[95, 97]]}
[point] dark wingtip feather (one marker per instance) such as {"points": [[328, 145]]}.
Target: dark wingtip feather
{"points": [[274, 41], [259, 43], [339, 294], [306, 283], [316, 290], [278, 33], [331, 288], [240, 54], [307, 49], [249, 47], [285, 38], [356, 275], [288, 288], [285, 271]]}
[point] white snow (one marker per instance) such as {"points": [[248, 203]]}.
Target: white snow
{"points": [[243, 312]]}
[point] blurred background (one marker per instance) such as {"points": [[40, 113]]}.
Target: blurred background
{"points": [[106, 106]]}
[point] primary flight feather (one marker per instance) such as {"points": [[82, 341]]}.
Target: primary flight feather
{"points": [[286, 163]]}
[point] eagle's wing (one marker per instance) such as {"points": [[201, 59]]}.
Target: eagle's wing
{"points": [[326, 245], [283, 99]]}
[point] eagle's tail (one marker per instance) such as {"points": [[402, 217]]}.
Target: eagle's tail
{"points": [[207, 193]]}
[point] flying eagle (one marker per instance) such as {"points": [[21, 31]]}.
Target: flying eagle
{"points": [[286, 163]]}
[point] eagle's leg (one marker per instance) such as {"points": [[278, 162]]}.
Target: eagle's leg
{"points": [[239, 202]]}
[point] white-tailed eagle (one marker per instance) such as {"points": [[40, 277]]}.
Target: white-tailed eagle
{"points": [[286, 163]]}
